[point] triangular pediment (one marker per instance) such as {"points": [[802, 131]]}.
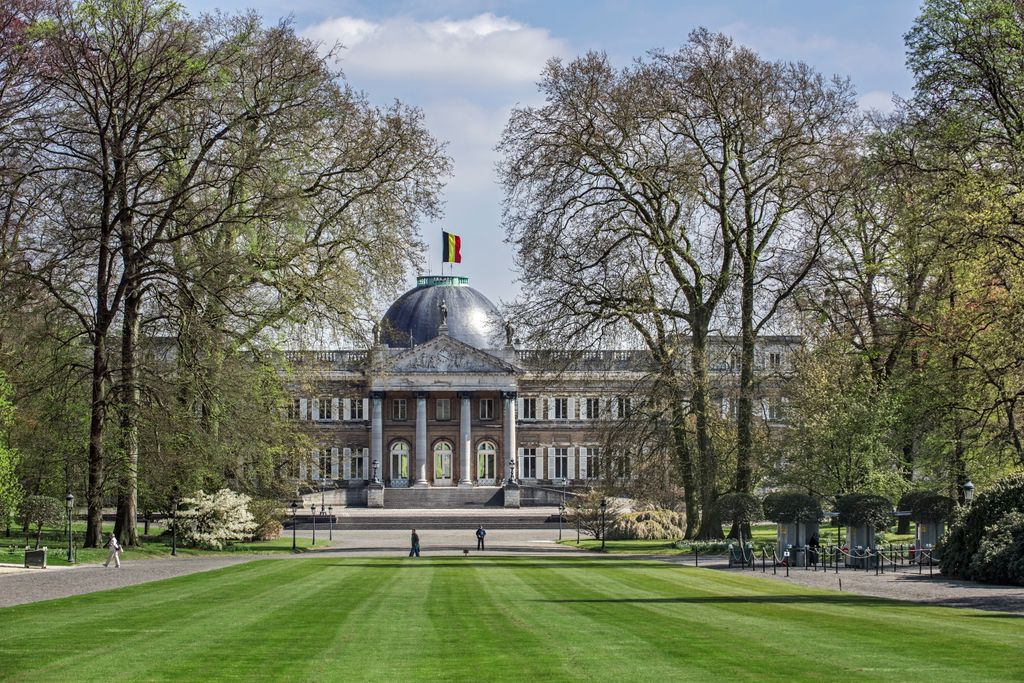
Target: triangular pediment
{"points": [[445, 355]]}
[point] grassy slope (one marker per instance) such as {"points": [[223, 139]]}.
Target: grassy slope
{"points": [[512, 619]]}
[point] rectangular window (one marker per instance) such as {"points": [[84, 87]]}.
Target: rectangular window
{"points": [[443, 409], [325, 408], [623, 407], [561, 463], [622, 467], [487, 409], [358, 467], [592, 459], [529, 409], [735, 359], [357, 409], [529, 463], [775, 360], [561, 408], [295, 409], [398, 409], [593, 408], [325, 463]]}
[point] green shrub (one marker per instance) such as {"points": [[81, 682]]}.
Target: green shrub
{"points": [[985, 541], [790, 507], [864, 509], [268, 517], [738, 508], [932, 508], [41, 510], [648, 525]]}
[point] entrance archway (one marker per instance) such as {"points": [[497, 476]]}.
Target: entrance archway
{"points": [[443, 464]]}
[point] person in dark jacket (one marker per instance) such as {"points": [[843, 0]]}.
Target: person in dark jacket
{"points": [[414, 548], [480, 533]]}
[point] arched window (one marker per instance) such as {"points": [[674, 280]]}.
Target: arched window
{"points": [[442, 462], [400, 463], [486, 465]]}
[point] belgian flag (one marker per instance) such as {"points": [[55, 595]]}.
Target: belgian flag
{"points": [[452, 248]]}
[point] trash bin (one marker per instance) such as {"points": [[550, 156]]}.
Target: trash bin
{"points": [[35, 558]]}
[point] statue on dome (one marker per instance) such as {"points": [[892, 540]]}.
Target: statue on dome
{"points": [[444, 313], [508, 333]]}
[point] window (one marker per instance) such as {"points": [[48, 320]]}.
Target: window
{"points": [[593, 408], [442, 461], [485, 461], [325, 408], [561, 463], [529, 464], [295, 409], [621, 465], [325, 463], [487, 409], [529, 409], [590, 463], [357, 409], [735, 360], [398, 409], [443, 409], [623, 407], [775, 360], [776, 411], [730, 407], [357, 469], [400, 461], [561, 408]]}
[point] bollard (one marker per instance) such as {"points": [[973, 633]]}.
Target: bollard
{"points": [[696, 553]]}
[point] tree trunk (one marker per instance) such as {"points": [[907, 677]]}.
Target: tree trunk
{"points": [[707, 466], [745, 408], [684, 459], [97, 420], [125, 527]]}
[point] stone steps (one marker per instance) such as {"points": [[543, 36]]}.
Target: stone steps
{"points": [[424, 519]]}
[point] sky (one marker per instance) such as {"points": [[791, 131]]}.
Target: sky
{"points": [[466, 64]]}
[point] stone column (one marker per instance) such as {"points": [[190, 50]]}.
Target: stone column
{"points": [[421, 440], [466, 438], [509, 416], [376, 430]]}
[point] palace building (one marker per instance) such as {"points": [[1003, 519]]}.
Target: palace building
{"points": [[445, 410]]}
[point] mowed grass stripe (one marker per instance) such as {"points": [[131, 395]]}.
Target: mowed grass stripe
{"points": [[496, 619]]}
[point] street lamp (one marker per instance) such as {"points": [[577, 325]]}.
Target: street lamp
{"points": [[174, 525], [968, 492], [294, 507], [71, 548], [330, 521], [604, 506], [561, 513], [313, 508]]}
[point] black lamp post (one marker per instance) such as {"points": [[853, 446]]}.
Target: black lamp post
{"points": [[174, 525], [294, 508], [968, 492], [330, 521], [313, 508], [604, 506], [71, 548], [561, 513]]}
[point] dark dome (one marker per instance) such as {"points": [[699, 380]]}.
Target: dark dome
{"points": [[416, 315]]}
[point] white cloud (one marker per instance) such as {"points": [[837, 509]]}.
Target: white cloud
{"points": [[485, 50], [879, 100]]}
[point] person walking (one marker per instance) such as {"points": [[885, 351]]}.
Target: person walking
{"points": [[414, 549], [115, 548], [480, 533]]}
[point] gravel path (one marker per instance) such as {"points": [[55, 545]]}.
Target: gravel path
{"points": [[33, 585]]}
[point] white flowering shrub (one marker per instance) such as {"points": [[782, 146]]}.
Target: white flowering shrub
{"points": [[213, 520]]}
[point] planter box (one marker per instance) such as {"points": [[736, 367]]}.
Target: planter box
{"points": [[35, 558]]}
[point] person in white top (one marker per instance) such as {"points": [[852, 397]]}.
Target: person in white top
{"points": [[115, 548]]}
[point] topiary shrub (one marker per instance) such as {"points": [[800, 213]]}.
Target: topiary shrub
{"points": [[864, 509], [268, 517], [791, 507], [214, 520], [906, 504], [932, 507], [648, 525], [985, 541]]}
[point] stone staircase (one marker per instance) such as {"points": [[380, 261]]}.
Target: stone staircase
{"points": [[429, 519], [446, 498]]}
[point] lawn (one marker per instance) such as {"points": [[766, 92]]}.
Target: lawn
{"points": [[540, 619]]}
